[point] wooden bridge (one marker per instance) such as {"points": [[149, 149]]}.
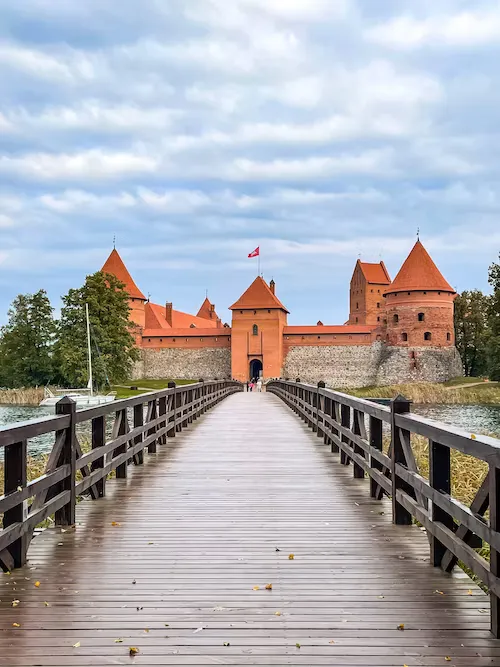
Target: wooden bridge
{"points": [[244, 538]]}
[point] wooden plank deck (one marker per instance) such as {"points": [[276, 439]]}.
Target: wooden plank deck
{"points": [[214, 514]]}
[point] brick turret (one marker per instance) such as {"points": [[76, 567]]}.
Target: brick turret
{"points": [[419, 304]]}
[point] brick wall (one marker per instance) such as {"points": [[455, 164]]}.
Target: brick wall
{"points": [[377, 364], [184, 364]]}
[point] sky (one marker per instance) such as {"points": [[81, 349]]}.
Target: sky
{"points": [[195, 130]]}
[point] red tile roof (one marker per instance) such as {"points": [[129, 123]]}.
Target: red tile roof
{"points": [[375, 274], [114, 265], [419, 273], [155, 319], [207, 311], [258, 295], [185, 333]]}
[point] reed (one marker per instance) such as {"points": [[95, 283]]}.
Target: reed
{"points": [[28, 396], [486, 394]]}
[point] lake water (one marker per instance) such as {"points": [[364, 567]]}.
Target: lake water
{"points": [[474, 418]]}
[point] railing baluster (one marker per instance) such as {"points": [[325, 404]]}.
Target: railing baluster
{"points": [[152, 414], [66, 515], [345, 417], [139, 421], [357, 429], [15, 476], [439, 479], [98, 427], [376, 441], [162, 410], [400, 515]]}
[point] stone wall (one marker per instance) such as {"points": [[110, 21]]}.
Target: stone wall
{"points": [[182, 364], [376, 364]]}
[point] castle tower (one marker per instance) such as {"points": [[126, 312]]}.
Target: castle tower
{"points": [[258, 321], [368, 284], [114, 265], [419, 304]]}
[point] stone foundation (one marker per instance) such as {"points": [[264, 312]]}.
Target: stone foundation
{"points": [[376, 364], [183, 364]]}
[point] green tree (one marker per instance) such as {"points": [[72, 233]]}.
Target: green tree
{"points": [[26, 342], [113, 347], [494, 323], [471, 331]]}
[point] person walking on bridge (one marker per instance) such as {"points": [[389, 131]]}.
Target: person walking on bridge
{"points": [[259, 384]]}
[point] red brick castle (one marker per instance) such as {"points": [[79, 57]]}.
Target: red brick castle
{"points": [[397, 331]]}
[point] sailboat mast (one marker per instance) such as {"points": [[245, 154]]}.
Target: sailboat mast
{"points": [[89, 350]]}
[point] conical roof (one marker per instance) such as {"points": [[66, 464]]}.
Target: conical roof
{"points": [[419, 273], [258, 295], [114, 265], [207, 310]]}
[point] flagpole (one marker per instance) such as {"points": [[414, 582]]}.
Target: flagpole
{"points": [[258, 270]]}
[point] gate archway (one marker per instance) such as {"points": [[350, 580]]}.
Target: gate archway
{"points": [[255, 368]]}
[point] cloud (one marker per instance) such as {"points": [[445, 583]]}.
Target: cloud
{"points": [[462, 30]]}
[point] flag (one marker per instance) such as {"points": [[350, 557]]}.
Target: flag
{"points": [[255, 253]]}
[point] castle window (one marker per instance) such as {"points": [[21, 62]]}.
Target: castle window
{"points": [[255, 312], [268, 311], [427, 335], [396, 319], [378, 319], [404, 337], [356, 320], [371, 291], [161, 340], [439, 292], [255, 330], [378, 291], [448, 336], [319, 337], [409, 293], [241, 312], [357, 306], [421, 317], [425, 292], [378, 305], [149, 340]]}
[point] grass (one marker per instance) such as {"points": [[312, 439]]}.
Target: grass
{"points": [[486, 394], [29, 396], [125, 391]]}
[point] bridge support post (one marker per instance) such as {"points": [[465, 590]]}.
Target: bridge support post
{"points": [[98, 440], [15, 476], [440, 479], [376, 441], [345, 421], [494, 477], [66, 515], [400, 515], [320, 407], [138, 421], [171, 408]]}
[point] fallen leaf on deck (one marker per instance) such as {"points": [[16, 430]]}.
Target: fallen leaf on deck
{"points": [[278, 549], [16, 625], [331, 642], [150, 542], [277, 613], [226, 644], [472, 435], [439, 592], [297, 645], [77, 645], [19, 488], [133, 650], [118, 641], [269, 587], [447, 658], [115, 523], [256, 588], [146, 629], [198, 630], [46, 604], [401, 627], [291, 557], [37, 584], [167, 625], [469, 593], [134, 582], [15, 603], [381, 597]]}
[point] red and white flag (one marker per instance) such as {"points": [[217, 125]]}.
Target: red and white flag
{"points": [[255, 253]]}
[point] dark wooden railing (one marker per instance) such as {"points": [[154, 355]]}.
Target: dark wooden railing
{"points": [[155, 416], [355, 428]]}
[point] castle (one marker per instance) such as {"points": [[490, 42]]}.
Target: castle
{"points": [[398, 331]]}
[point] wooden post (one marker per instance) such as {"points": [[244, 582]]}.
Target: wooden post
{"points": [[376, 442], [335, 413], [98, 440], [66, 515], [15, 475], [357, 429], [162, 410], [439, 479], [152, 414], [320, 405], [121, 470], [171, 407], [345, 420], [139, 421], [400, 515], [178, 413], [494, 477]]}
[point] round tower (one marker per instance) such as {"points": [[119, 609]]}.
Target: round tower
{"points": [[419, 304]]}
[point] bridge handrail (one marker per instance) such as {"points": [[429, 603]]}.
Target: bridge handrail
{"points": [[454, 530], [70, 472]]}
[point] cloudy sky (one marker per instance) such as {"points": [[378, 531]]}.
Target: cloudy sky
{"points": [[195, 130]]}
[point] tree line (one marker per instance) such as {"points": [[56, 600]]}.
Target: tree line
{"points": [[477, 328], [38, 349]]}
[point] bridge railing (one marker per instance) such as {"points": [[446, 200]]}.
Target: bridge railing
{"points": [[118, 434], [377, 440]]}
